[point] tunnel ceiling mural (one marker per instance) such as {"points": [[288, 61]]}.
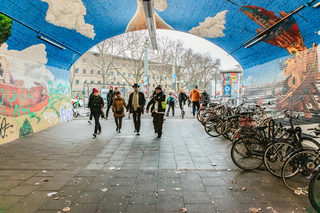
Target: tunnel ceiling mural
{"points": [[41, 39]]}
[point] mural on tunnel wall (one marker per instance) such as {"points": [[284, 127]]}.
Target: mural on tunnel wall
{"points": [[33, 96], [289, 82]]}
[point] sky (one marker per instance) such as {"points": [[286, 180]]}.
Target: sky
{"points": [[202, 45]]}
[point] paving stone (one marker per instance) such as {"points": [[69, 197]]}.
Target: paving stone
{"points": [[36, 197], [200, 207], [24, 207], [114, 203], [196, 197], [134, 208], [143, 198], [6, 202], [9, 184], [21, 190], [90, 197]]}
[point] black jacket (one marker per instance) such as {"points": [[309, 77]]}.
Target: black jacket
{"points": [[182, 97], [142, 101], [110, 95], [96, 103], [205, 98], [90, 100], [159, 98]]}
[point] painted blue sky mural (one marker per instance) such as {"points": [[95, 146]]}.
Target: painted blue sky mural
{"points": [[110, 18]]}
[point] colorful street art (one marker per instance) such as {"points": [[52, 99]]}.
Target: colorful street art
{"points": [[296, 87], [31, 96], [230, 85]]}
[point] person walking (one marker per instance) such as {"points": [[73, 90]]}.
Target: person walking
{"points": [[170, 102], [118, 110], [90, 97], [195, 99], [96, 105], [135, 105], [182, 98], [158, 103], [110, 96], [205, 98]]}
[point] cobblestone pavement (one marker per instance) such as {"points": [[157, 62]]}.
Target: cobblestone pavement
{"points": [[122, 172]]}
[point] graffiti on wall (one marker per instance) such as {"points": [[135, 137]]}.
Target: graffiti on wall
{"points": [[31, 95], [290, 82]]}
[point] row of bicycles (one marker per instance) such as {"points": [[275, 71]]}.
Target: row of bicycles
{"points": [[261, 139]]}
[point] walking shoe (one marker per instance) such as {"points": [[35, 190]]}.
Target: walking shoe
{"points": [[99, 132], [159, 135], [119, 131], [94, 135], [89, 122], [135, 131], [138, 133]]}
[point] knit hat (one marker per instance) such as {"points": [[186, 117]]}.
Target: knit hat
{"points": [[111, 87], [158, 88], [95, 90]]}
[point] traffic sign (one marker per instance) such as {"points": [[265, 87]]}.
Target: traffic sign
{"points": [[174, 76]]}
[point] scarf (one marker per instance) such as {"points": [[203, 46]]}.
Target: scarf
{"points": [[135, 101]]}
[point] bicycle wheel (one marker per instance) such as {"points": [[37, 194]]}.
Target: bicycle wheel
{"points": [[210, 127], [247, 153], [309, 143], [298, 167], [205, 116], [314, 191], [224, 129], [200, 111], [275, 155]]}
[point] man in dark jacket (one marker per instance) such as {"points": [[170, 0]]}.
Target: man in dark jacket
{"points": [[158, 109], [90, 99], [182, 100], [205, 98], [96, 105], [136, 103], [110, 96]]}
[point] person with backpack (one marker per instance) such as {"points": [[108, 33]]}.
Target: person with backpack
{"points": [[118, 106], [96, 105], [170, 103], [158, 103], [195, 99], [182, 100]]}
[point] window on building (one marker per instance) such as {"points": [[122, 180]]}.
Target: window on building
{"points": [[77, 82], [118, 82], [124, 74], [85, 81], [92, 71], [118, 74], [129, 75], [76, 70], [152, 77], [166, 86], [153, 85], [158, 78], [112, 82], [99, 72], [99, 82], [118, 65], [124, 83], [114, 78], [84, 60], [92, 82], [84, 71], [165, 78], [112, 73]]}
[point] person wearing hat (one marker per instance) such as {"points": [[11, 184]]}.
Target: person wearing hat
{"points": [[135, 105], [182, 100], [158, 109], [110, 96], [96, 105], [118, 110]]}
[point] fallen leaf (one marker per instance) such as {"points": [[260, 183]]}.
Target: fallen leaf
{"points": [[269, 207], [233, 182], [213, 164], [187, 162], [45, 180], [117, 169], [177, 189], [184, 210], [97, 163], [155, 149], [243, 188], [56, 198], [104, 162], [230, 188], [104, 189], [129, 157], [142, 150], [112, 168], [177, 172], [66, 209], [70, 196], [144, 179], [36, 184], [51, 193], [161, 190], [254, 210], [64, 168]]}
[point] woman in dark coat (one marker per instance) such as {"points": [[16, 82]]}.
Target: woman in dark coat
{"points": [[96, 105], [118, 107]]}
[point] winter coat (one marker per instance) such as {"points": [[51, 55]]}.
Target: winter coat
{"points": [[182, 97], [170, 100], [119, 104], [96, 104], [110, 97], [142, 101], [195, 95], [205, 97], [157, 98]]}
